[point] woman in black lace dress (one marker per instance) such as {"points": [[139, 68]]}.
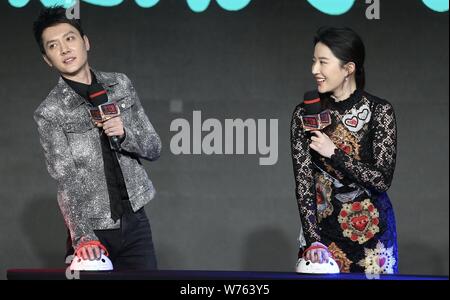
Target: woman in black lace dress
{"points": [[342, 173]]}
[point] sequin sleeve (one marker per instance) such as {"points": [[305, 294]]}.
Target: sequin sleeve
{"points": [[61, 167], [140, 136], [304, 180], [376, 174]]}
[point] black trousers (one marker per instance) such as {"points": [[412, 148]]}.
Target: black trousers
{"points": [[130, 247]]}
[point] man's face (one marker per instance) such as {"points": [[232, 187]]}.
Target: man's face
{"points": [[65, 49]]}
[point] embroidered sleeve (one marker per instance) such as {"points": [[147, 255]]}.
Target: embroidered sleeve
{"points": [[304, 180], [375, 174]]}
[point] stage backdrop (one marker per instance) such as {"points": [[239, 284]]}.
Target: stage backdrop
{"points": [[230, 212]]}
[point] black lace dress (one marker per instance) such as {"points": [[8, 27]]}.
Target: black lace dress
{"points": [[342, 200]]}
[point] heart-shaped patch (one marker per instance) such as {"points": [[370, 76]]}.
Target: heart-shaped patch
{"points": [[360, 222], [352, 122], [356, 119], [364, 114], [381, 261]]}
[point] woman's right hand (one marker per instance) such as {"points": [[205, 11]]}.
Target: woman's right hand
{"points": [[318, 255]]}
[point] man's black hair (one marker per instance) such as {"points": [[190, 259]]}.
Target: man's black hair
{"points": [[49, 17]]}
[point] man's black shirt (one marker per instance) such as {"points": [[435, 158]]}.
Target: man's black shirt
{"points": [[114, 178]]}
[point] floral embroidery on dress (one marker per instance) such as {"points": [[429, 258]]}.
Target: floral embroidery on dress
{"points": [[345, 140], [379, 260], [359, 221], [323, 197], [340, 257]]}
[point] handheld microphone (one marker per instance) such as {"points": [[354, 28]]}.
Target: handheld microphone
{"points": [[103, 110], [314, 118]]}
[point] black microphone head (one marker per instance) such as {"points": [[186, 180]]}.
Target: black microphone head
{"points": [[97, 94], [312, 103]]}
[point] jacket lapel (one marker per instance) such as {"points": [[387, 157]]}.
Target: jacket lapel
{"points": [[69, 97], [107, 81]]}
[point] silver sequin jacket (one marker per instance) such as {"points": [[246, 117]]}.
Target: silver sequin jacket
{"points": [[73, 154]]}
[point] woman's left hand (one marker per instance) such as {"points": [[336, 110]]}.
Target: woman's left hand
{"points": [[322, 144]]}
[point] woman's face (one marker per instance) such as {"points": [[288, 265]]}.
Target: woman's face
{"points": [[327, 69]]}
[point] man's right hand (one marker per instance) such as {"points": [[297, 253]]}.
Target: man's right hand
{"points": [[91, 252]]}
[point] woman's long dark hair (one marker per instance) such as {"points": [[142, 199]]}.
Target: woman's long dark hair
{"points": [[347, 46]]}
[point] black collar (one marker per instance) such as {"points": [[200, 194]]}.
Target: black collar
{"points": [[81, 88], [345, 104]]}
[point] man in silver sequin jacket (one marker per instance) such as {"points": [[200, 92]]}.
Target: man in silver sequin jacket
{"points": [[70, 139]]}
